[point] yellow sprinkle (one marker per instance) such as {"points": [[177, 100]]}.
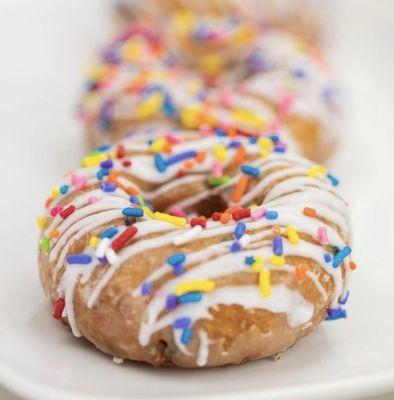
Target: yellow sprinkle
{"points": [[183, 20], [194, 286], [55, 192], [41, 222], [92, 160], [112, 154], [191, 117], [147, 211], [244, 35], [277, 260], [265, 143], [150, 106], [158, 145], [211, 64], [220, 152], [292, 234], [316, 170], [264, 152], [131, 50], [258, 264], [248, 117], [93, 242], [178, 221], [264, 282]]}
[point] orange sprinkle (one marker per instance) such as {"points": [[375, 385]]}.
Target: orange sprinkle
{"points": [[131, 190], [232, 210], [240, 188], [309, 212], [181, 172], [231, 131], [352, 265], [54, 233], [188, 164], [224, 218], [240, 155], [300, 273], [48, 202], [113, 176], [200, 157], [167, 148]]}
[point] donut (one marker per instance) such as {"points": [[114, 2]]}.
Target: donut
{"points": [[195, 249], [281, 81]]}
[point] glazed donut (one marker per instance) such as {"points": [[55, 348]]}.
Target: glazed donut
{"points": [[195, 249]]}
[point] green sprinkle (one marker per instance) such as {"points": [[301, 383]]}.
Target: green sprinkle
{"points": [[213, 182], [45, 244]]}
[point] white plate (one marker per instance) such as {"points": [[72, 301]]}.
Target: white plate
{"points": [[43, 49]]}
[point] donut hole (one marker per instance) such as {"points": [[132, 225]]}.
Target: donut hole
{"points": [[211, 204]]}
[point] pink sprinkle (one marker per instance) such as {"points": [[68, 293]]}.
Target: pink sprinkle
{"points": [[177, 211], [79, 182], [173, 139], [257, 213], [217, 170], [286, 102], [225, 96], [205, 130], [92, 199], [56, 210], [322, 234], [158, 293]]}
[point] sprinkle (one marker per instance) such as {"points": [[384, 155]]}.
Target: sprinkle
{"points": [[309, 212], [133, 212], [160, 163], [200, 157], [178, 221], [327, 258], [93, 241], [124, 237], [109, 233], [240, 188], [56, 210], [180, 157], [220, 152], [213, 182], [194, 286], [235, 247], [127, 163], [108, 164], [292, 234], [258, 264], [158, 145], [343, 300], [249, 260], [352, 265], [58, 308], [147, 211], [322, 235], [250, 170], [64, 189], [239, 229], [177, 258], [336, 313], [102, 247], [217, 170], [146, 288], [181, 323], [92, 199], [264, 282], [178, 269], [150, 106], [316, 170], [120, 151], [278, 261], [265, 143], [278, 245], [216, 216], [192, 297], [93, 159], [54, 234], [79, 182], [55, 192], [240, 155], [186, 335], [79, 259], [258, 213], [224, 218], [271, 214], [45, 244], [108, 187], [187, 236], [177, 211], [41, 222], [333, 179], [340, 256], [111, 256], [67, 212], [171, 301], [198, 221]]}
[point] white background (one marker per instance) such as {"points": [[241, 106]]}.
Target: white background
{"points": [[44, 47]]}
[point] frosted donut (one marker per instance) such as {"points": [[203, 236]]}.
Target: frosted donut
{"points": [[154, 250]]}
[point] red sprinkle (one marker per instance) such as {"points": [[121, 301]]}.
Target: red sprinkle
{"points": [[240, 214], [120, 241], [202, 221], [126, 163], [67, 211], [216, 216], [58, 308], [120, 151]]}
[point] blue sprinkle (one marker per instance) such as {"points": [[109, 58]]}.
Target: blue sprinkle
{"points": [[274, 138], [107, 164], [343, 301], [103, 260], [134, 199], [180, 157], [250, 170], [171, 301], [177, 258], [150, 141], [253, 140], [186, 335], [220, 132], [234, 144], [280, 149], [271, 214], [108, 187], [336, 313], [146, 288], [278, 245], [79, 259], [64, 189], [100, 175], [192, 297], [178, 269], [249, 260], [133, 212], [340, 256], [150, 206], [109, 233], [160, 163], [104, 147], [169, 107], [333, 179], [182, 322], [235, 247], [327, 258], [239, 230]]}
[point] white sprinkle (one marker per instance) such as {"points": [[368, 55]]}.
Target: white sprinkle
{"points": [[102, 247], [111, 256], [187, 236]]}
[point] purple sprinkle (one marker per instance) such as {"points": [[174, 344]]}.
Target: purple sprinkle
{"points": [[171, 302], [107, 164], [108, 187], [333, 312], [327, 257], [178, 269], [343, 301], [278, 245], [79, 259], [338, 315], [181, 323]]}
